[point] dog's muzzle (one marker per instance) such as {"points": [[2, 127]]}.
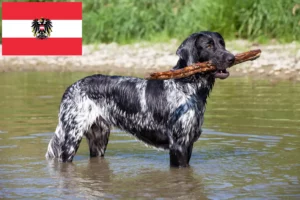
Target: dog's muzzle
{"points": [[221, 74], [228, 60]]}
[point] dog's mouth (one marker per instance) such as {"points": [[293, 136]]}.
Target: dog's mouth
{"points": [[221, 74]]}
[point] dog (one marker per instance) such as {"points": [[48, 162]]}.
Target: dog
{"points": [[166, 114]]}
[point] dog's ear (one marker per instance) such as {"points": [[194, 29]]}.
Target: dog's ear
{"points": [[182, 52], [187, 51]]}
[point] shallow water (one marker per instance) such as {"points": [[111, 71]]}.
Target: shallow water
{"points": [[249, 148]]}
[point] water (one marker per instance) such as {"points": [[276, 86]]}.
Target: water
{"points": [[249, 148]]}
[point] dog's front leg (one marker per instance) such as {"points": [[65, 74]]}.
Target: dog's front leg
{"points": [[179, 155], [189, 151]]}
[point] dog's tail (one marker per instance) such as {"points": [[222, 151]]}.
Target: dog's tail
{"points": [[53, 150]]}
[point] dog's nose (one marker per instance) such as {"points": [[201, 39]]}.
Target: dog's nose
{"points": [[230, 59]]}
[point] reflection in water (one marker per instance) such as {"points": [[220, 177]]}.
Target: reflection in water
{"points": [[95, 179], [248, 149], [83, 181]]}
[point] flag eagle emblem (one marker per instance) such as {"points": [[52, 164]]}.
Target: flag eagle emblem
{"points": [[41, 28]]}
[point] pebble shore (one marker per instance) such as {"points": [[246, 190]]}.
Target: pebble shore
{"points": [[277, 61]]}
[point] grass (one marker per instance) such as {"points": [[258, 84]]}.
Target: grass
{"points": [[127, 21]]}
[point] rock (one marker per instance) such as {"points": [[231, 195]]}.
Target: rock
{"points": [[298, 54], [261, 71], [160, 56]]}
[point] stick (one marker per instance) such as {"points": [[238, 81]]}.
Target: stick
{"points": [[202, 67]]}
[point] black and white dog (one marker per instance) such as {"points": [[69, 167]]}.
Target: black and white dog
{"points": [[166, 114]]}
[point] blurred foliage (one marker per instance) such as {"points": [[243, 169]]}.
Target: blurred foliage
{"points": [[126, 21]]}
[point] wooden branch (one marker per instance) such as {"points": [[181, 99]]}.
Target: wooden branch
{"points": [[202, 67]]}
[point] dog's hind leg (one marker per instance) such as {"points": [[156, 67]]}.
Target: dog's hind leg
{"points": [[64, 144], [97, 137], [75, 118]]}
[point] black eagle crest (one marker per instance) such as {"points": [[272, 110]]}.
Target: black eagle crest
{"points": [[41, 28]]}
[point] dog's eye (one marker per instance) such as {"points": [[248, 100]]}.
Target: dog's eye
{"points": [[209, 46]]}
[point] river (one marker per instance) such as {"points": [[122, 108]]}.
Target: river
{"points": [[249, 148]]}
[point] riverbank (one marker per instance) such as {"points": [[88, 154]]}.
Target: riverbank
{"points": [[277, 61]]}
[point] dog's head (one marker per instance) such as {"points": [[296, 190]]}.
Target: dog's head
{"points": [[205, 46]]}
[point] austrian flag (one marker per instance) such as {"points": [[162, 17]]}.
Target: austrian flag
{"points": [[42, 28]]}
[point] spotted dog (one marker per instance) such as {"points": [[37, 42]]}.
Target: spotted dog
{"points": [[166, 114]]}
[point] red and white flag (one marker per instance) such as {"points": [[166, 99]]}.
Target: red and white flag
{"points": [[41, 28]]}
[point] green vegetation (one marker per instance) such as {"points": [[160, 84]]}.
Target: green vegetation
{"points": [[126, 21]]}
